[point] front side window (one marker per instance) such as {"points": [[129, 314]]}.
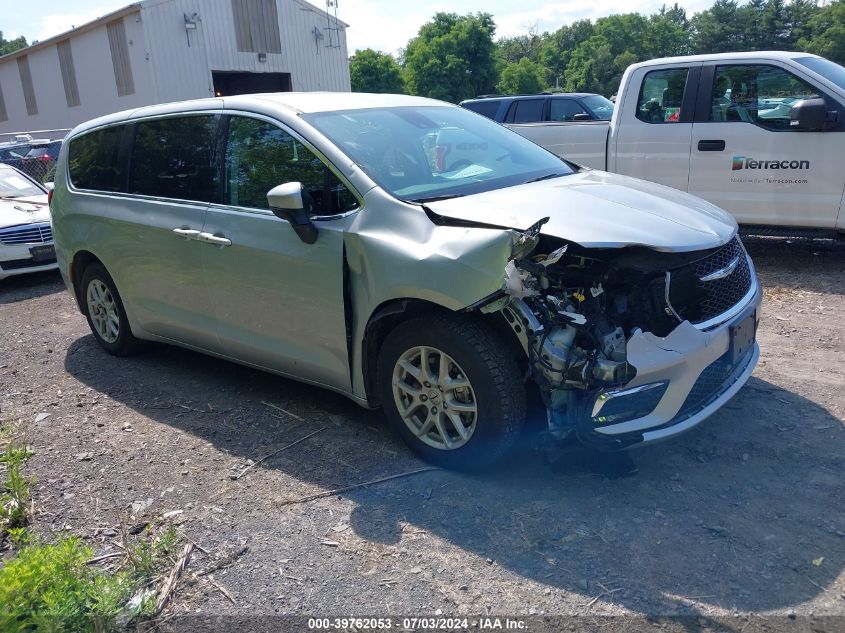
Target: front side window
{"points": [[565, 110], [601, 107], [826, 68], [260, 156], [661, 94], [420, 153], [97, 160], [174, 158], [528, 110], [758, 94]]}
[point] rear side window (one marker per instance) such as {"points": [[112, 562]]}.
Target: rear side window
{"points": [[174, 158], [661, 94], [260, 156], [486, 108], [97, 160], [528, 110]]}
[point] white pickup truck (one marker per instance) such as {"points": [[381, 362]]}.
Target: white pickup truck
{"points": [[761, 135]]}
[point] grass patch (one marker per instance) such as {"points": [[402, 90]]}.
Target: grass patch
{"points": [[14, 497], [53, 586]]}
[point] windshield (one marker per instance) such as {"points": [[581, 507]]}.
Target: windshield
{"points": [[433, 152], [601, 108], [15, 185], [826, 68]]}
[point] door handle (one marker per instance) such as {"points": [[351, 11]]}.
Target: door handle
{"points": [[214, 239], [188, 234], [711, 146]]}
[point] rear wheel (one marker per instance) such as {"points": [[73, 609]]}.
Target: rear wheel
{"points": [[105, 312], [451, 390]]}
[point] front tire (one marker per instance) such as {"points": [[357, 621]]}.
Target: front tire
{"points": [[452, 390], [105, 312]]}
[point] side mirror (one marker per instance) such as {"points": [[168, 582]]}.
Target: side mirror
{"points": [[581, 116], [292, 202], [811, 114]]}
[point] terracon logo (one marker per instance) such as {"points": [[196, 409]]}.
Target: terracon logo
{"points": [[742, 162]]}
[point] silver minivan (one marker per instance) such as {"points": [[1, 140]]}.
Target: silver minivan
{"points": [[411, 255]]}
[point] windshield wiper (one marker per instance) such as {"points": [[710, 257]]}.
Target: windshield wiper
{"points": [[445, 196], [546, 177]]}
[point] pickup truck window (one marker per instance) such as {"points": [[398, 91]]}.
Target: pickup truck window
{"points": [[758, 94], [661, 94], [565, 110]]}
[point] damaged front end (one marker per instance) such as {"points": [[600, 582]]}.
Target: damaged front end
{"points": [[629, 345]]}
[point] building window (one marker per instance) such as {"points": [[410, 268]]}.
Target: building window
{"points": [[68, 73], [256, 26], [120, 58], [4, 116], [26, 83]]}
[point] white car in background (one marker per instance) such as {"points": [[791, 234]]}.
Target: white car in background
{"points": [[26, 234]]}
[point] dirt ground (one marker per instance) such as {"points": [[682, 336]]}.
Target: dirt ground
{"points": [[745, 514]]}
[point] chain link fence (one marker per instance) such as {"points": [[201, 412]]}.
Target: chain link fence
{"points": [[34, 153]]}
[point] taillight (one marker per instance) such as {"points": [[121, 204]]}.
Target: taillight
{"points": [[45, 157]]}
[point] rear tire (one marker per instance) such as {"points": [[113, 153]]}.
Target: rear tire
{"points": [[452, 390], [105, 312]]}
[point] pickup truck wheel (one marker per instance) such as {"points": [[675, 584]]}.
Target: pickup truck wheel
{"points": [[105, 312], [452, 391]]}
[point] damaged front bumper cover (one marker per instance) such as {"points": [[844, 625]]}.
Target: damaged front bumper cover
{"points": [[682, 379]]}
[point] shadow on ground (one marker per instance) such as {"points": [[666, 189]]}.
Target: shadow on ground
{"points": [[30, 286], [732, 514]]}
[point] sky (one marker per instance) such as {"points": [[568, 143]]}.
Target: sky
{"points": [[384, 25]]}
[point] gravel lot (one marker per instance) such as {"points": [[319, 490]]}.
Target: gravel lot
{"points": [[745, 514]]}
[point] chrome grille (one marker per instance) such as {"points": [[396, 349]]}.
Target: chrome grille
{"points": [[698, 299], [27, 234]]}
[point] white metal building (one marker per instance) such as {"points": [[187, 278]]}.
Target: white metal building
{"points": [[157, 51]]}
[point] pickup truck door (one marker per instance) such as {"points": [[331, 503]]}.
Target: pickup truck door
{"points": [[748, 160], [653, 127]]}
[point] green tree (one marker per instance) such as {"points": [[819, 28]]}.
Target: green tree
{"points": [[10, 46], [589, 65], [798, 16], [827, 32], [522, 77], [512, 49], [557, 48], [453, 57], [719, 29], [372, 71], [668, 33]]}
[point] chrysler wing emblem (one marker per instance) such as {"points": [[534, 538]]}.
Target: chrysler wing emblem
{"points": [[722, 272]]}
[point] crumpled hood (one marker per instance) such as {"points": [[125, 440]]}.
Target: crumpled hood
{"points": [[22, 211], [597, 209]]}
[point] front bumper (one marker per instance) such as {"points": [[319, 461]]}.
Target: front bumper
{"points": [[16, 259], [681, 380]]}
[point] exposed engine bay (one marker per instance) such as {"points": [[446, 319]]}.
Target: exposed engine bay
{"points": [[574, 311]]}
